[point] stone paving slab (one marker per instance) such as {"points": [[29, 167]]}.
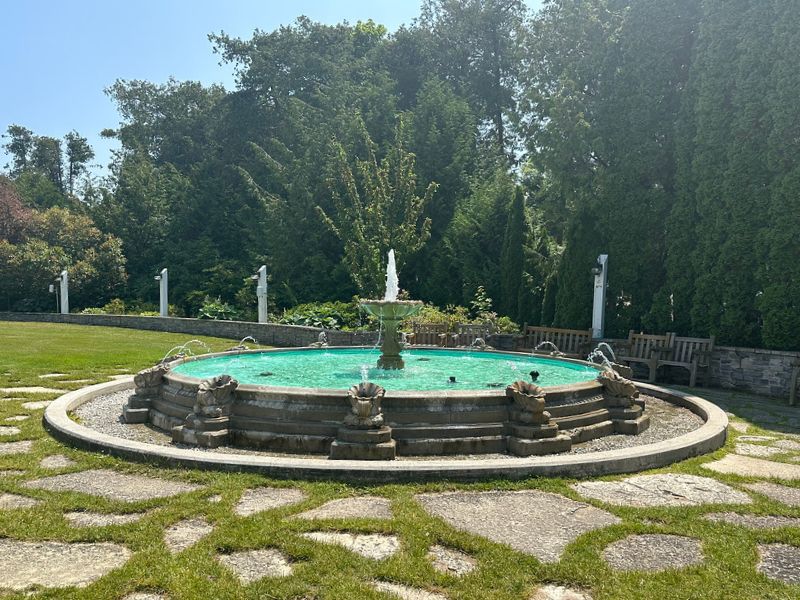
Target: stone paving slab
{"points": [[756, 450], [186, 533], [376, 546], [780, 493], [753, 467], [94, 519], [17, 418], [755, 438], [738, 426], [252, 565], [112, 485], [405, 592], [257, 500], [790, 445], [37, 404], [11, 501], [15, 447], [57, 564], [538, 523], [145, 596], [9, 430], [30, 389], [665, 489], [450, 561], [360, 507], [11, 472], [780, 561], [559, 592], [653, 553], [754, 521], [52, 375], [57, 461]]}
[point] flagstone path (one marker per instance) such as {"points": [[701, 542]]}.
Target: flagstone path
{"points": [[112, 485], [653, 552], [538, 523]]}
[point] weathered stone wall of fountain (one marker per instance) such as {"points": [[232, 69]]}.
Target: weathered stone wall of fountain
{"points": [[414, 423]]}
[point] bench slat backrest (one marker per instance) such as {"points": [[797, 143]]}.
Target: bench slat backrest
{"points": [[568, 341], [686, 348], [467, 333], [642, 345], [429, 334]]}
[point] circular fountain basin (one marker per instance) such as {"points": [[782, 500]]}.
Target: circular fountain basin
{"points": [[426, 369], [301, 409]]}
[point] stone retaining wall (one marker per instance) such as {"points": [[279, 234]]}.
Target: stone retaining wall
{"points": [[767, 372], [270, 334]]}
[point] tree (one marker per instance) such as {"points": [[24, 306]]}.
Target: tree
{"points": [[78, 153], [14, 215], [19, 146], [477, 46], [49, 241], [779, 269], [512, 258], [376, 208]]}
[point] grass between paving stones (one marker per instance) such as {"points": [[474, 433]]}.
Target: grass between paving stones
{"points": [[329, 571]]}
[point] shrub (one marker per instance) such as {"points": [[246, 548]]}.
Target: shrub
{"points": [[217, 310], [330, 315]]}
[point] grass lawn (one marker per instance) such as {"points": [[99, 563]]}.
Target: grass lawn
{"points": [[29, 350]]}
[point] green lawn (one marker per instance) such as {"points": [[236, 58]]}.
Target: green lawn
{"points": [[330, 572]]}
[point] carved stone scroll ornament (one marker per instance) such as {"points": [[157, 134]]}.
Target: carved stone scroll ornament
{"points": [[528, 397], [617, 386], [148, 381], [365, 406], [215, 396], [531, 431]]}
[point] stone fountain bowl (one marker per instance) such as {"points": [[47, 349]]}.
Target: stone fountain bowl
{"points": [[395, 310]]}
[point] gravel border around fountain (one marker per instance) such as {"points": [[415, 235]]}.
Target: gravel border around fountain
{"points": [[709, 437]]}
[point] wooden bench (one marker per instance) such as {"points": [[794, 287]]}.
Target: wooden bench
{"points": [[466, 334], [430, 334], [646, 348], [690, 353], [572, 342]]}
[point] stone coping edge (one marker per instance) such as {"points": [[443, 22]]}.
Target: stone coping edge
{"points": [[709, 437]]}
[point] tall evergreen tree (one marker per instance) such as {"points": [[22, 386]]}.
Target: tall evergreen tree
{"points": [[512, 258]]}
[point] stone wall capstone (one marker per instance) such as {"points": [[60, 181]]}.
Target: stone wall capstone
{"points": [[270, 334]]}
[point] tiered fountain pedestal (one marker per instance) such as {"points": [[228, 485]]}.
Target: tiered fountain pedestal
{"points": [[391, 312]]}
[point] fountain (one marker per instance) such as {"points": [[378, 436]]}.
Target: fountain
{"points": [[391, 311], [554, 351]]}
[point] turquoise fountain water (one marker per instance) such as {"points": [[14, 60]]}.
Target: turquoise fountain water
{"points": [[426, 369]]}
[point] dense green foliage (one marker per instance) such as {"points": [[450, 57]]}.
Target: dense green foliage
{"points": [[489, 146]]}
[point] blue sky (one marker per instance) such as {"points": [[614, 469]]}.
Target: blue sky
{"points": [[57, 57]]}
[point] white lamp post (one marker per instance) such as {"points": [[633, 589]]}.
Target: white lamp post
{"points": [[600, 272], [63, 281], [163, 291], [261, 293]]}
